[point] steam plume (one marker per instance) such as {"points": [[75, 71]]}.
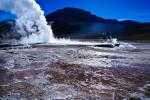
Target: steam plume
{"points": [[31, 23]]}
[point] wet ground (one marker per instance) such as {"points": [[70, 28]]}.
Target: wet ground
{"points": [[48, 72]]}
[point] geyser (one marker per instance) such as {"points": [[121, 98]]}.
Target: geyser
{"points": [[32, 25], [31, 22]]}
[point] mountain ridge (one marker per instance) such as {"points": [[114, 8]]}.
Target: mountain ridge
{"points": [[68, 22], [76, 23]]}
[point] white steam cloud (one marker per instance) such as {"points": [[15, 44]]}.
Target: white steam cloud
{"points": [[32, 25], [31, 22]]}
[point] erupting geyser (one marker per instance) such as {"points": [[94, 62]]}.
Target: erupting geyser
{"points": [[32, 25], [31, 22]]}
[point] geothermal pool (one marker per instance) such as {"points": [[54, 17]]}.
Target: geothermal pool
{"points": [[61, 72]]}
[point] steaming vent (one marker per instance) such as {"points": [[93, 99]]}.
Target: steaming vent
{"points": [[31, 22], [32, 26]]}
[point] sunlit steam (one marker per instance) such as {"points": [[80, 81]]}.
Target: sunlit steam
{"points": [[31, 23]]}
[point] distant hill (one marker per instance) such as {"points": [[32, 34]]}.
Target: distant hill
{"points": [[8, 30], [78, 23]]}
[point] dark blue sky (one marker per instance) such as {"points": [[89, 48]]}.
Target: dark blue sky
{"points": [[138, 10], [6, 15]]}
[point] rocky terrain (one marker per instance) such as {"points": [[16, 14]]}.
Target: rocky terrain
{"points": [[53, 72]]}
